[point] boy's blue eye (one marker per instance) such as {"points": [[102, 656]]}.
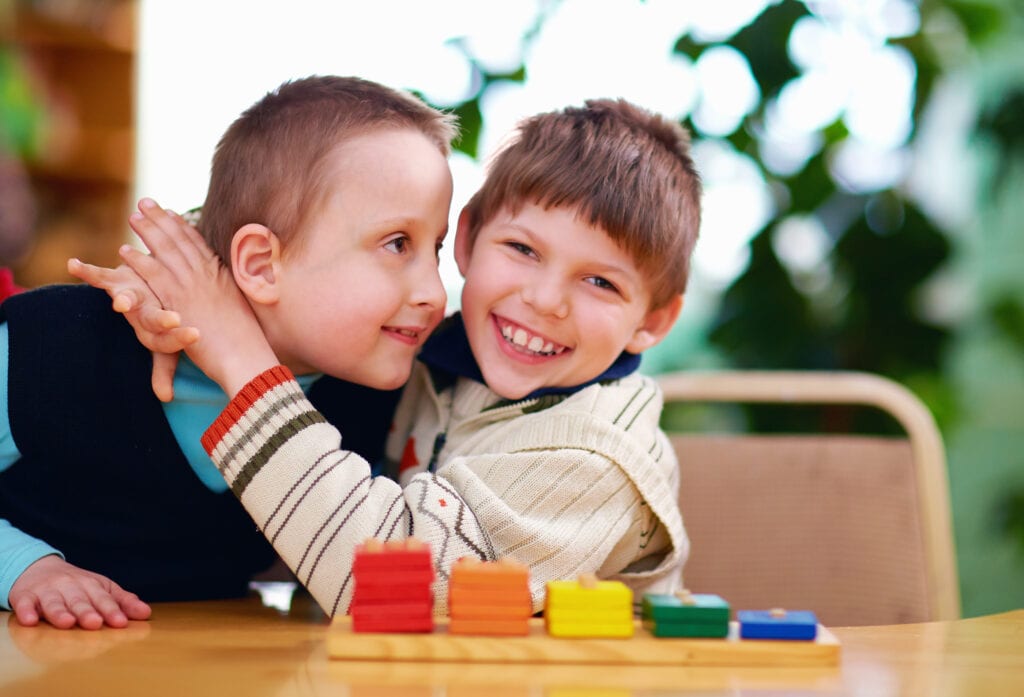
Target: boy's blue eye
{"points": [[602, 283], [521, 248]]}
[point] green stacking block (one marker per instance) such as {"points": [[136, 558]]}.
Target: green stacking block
{"points": [[686, 615]]}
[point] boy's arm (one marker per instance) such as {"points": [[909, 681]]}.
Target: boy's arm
{"points": [[572, 510], [316, 502], [35, 581]]}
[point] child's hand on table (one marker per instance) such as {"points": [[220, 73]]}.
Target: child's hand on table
{"points": [[64, 595]]}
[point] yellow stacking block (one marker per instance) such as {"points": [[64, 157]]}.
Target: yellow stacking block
{"points": [[587, 607]]}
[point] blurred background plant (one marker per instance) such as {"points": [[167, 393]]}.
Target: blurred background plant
{"points": [[21, 116]]}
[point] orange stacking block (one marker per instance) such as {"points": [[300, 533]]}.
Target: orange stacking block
{"points": [[392, 587], [489, 598]]}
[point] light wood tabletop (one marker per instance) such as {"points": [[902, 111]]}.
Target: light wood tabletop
{"points": [[243, 647]]}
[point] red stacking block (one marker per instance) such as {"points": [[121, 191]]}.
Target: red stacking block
{"points": [[392, 587]]}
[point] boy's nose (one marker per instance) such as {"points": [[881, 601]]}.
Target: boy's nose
{"points": [[428, 288], [547, 297]]}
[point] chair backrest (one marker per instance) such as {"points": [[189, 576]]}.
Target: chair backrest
{"points": [[856, 528]]}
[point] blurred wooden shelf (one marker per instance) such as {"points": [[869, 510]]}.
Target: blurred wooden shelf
{"points": [[81, 55], [32, 28]]}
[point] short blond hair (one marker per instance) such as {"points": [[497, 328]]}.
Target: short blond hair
{"points": [[268, 166], [621, 167]]}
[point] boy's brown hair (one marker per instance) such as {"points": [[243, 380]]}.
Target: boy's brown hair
{"points": [[268, 165], [622, 168]]}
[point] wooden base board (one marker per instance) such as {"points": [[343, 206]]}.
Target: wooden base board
{"points": [[538, 647]]}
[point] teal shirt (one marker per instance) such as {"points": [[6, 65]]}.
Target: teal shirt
{"points": [[198, 401]]}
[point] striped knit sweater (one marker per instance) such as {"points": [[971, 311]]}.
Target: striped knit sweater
{"points": [[567, 485]]}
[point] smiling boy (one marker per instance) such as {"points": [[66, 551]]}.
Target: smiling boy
{"points": [[525, 430]]}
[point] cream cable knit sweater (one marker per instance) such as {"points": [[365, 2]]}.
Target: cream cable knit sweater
{"points": [[584, 483]]}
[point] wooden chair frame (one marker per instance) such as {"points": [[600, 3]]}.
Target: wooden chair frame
{"points": [[855, 388]]}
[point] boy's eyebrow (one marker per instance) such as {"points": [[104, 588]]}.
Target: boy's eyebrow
{"points": [[403, 222]]}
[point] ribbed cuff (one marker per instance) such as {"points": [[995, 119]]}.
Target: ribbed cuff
{"points": [[246, 397]]}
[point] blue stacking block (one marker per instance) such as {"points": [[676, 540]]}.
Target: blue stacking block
{"points": [[778, 624]]}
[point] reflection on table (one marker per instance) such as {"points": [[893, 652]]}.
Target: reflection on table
{"points": [[247, 647]]}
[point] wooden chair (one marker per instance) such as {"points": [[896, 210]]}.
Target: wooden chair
{"points": [[856, 528]]}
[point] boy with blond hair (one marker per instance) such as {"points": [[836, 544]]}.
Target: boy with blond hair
{"points": [[525, 430], [325, 183]]}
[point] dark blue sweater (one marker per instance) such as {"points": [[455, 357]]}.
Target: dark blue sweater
{"points": [[101, 477]]}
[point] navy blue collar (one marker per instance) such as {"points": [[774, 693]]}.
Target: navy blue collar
{"points": [[447, 350]]}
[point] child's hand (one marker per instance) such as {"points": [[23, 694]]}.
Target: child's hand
{"points": [[64, 595], [187, 276], [157, 329]]}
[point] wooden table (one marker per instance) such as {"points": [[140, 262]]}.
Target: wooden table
{"points": [[244, 648]]}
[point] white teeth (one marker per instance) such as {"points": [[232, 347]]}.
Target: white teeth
{"points": [[520, 337]]}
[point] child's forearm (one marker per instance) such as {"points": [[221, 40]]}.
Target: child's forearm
{"points": [[234, 358], [316, 502]]}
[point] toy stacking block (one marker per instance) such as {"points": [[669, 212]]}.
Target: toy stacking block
{"points": [[778, 624], [393, 617], [686, 614], [502, 575], [369, 592], [392, 587], [409, 556], [588, 608], [489, 598]]}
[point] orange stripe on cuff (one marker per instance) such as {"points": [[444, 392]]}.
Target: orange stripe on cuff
{"points": [[246, 397]]}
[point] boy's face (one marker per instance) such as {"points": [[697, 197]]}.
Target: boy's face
{"points": [[359, 287], [551, 301]]}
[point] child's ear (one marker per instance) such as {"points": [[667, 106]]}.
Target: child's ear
{"points": [[255, 257], [655, 326], [462, 246]]}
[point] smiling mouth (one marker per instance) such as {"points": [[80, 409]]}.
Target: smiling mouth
{"points": [[409, 336], [527, 343]]}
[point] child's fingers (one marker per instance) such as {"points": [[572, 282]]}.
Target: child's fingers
{"points": [[173, 236], [106, 607], [149, 269], [110, 280], [54, 609], [169, 341], [194, 236], [131, 605], [156, 240], [155, 319], [84, 611], [164, 365], [122, 284], [26, 610]]}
